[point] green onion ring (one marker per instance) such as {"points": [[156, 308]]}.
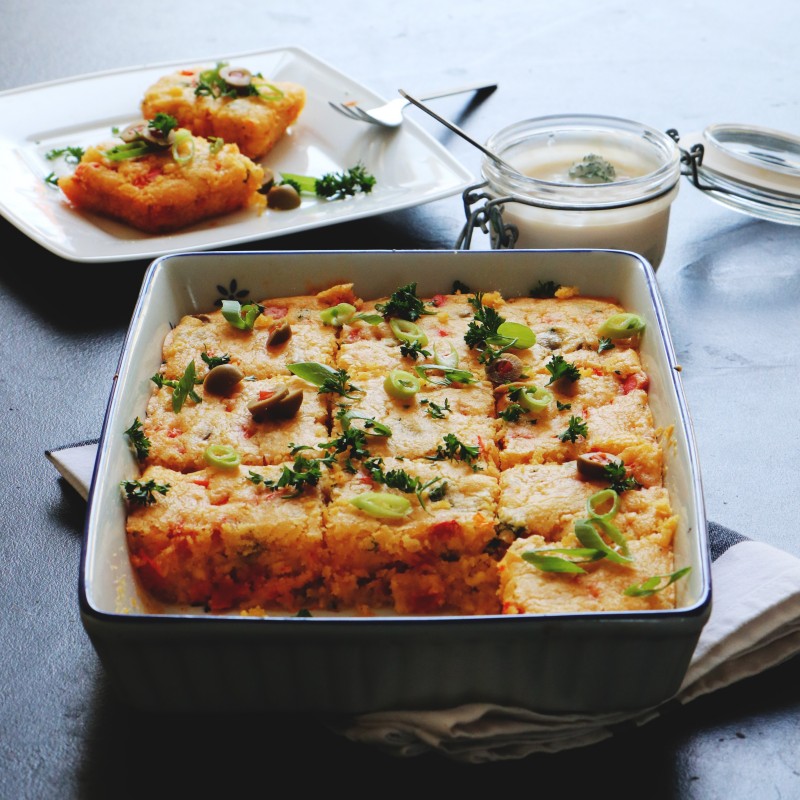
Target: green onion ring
{"points": [[621, 326], [222, 456], [598, 499], [382, 504]]}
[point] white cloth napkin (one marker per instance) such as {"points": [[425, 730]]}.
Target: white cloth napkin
{"points": [[754, 625]]}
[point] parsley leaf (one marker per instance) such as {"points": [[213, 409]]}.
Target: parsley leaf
{"points": [[403, 303], [577, 427], [215, 361], [544, 289], [618, 478], [143, 493], [304, 472], [605, 344], [182, 389], [140, 443], [559, 368], [434, 409], [455, 450]]}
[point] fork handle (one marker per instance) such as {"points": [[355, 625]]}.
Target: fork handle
{"points": [[483, 87]]}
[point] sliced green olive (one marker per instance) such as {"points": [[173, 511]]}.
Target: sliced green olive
{"points": [[280, 334], [283, 403], [283, 197], [259, 408], [382, 504], [401, 384], [621, 326], [524, 337], [337, 315], [222, 456], [134, 131], [288, 405], [593, 465], [222, 379], [533, 398], [236, 76], [407, 331], [504, 369]]}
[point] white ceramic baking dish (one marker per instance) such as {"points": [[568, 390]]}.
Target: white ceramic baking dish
{"points": [[185, 658]]}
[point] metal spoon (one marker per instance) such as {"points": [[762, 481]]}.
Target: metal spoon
{"points": [[497, 160]]}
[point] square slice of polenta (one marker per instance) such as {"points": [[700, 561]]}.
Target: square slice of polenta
{"points": [[179, 440], [218, 539]]}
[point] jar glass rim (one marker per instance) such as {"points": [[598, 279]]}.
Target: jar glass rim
{"points": [[545, 131]]}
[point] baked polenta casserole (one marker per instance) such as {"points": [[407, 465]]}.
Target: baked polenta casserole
{"points": [[458, 454]]}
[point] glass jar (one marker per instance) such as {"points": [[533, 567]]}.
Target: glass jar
{"points": [[549, 207]]}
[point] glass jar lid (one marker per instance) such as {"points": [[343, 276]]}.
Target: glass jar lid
{"points": [[750, 168]]}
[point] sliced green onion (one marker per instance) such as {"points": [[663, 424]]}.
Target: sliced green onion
{"points": [[401, 384], [598, 499], [370, 319], [382, 504], [448, 359], [655, 583], [222, 456], [122, 152], [232, 311], [533, 398], [551, 563], [407, 331], [306, 183], [449, 375], [621, 326], [183, 147], [337, 315], [518, 336], [371, 425], [589, 537], [274, 94]]}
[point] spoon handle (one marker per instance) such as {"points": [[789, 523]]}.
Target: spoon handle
{"points": [[499, 161]]}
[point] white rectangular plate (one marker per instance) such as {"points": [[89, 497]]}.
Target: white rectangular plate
{"points": [[410, 167]]}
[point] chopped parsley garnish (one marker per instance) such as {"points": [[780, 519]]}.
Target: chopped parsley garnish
{"points": [[210, 83], [455, 450], [215, 361], [143, 493], [304, 472], [485, 322], [182, 389], [593, 169], [413, 350], [559, 368], [544, 289], [400, 479], [577, 427], [605, 344], [618, 478], [434, 409], [332, 185], [140, 443], [512, 412], [563, 406], [352, 441], [72, 155], [403, 303]]}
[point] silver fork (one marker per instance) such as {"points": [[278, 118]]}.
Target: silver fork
{"points": [[390, 114]]}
